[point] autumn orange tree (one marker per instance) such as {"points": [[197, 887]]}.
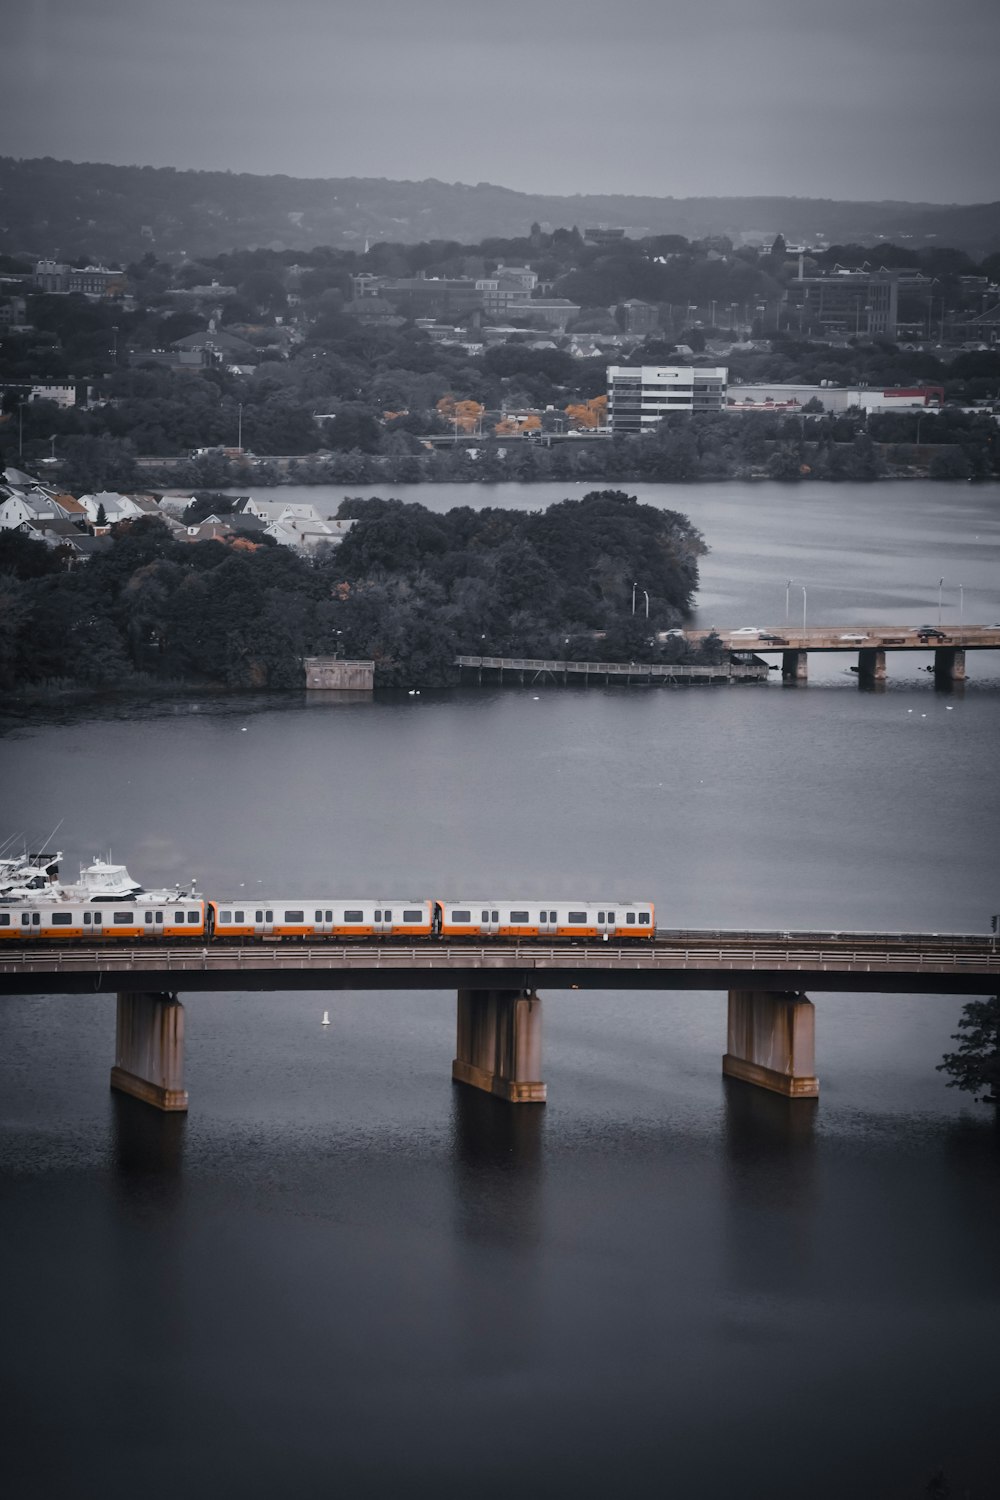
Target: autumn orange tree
{"points": [[588, 414], [465, 415]]}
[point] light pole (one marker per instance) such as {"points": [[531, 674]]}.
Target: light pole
{"points": [[239, 426], [803, 588], [20, 429], [788, 589], [635, 586], [940, 591], [961, 601]]}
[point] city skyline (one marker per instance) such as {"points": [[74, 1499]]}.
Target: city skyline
{"points": [[768, 98]]}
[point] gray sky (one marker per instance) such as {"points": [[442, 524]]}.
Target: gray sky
{"points": [[828, 98]]}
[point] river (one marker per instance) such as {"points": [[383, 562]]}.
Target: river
{"points": [[343, 1275]]}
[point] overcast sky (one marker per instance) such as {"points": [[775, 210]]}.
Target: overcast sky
{"points": [[860, 99]]}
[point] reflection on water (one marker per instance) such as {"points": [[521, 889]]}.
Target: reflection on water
{"points": [[497, 1159], [146, 1142]]}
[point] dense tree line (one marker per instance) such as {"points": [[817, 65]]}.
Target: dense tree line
{"points": [[407, 587]]}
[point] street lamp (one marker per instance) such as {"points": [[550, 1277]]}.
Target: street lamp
{"points": [[643, 592], [961, 601], [239, 426], [940, 591], [803, 587], [788, 588]]}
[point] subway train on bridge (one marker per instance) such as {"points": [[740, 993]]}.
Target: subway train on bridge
{"points": [[322, 919]]}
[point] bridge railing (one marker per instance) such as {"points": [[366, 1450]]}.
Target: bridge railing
{"points": [[262, 957]]}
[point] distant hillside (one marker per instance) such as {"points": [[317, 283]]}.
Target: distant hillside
{"points": [[50, 207]]}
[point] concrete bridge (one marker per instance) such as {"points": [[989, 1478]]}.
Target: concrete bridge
{"points": [[771, 1026], [871, 642]]}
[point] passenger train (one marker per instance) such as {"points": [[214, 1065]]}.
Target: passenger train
{"points": [[323, 918]]}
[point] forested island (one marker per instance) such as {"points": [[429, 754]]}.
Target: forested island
{"points": [[409, 588]]}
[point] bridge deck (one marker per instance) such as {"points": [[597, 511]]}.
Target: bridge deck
{"points": [[928, 963]]}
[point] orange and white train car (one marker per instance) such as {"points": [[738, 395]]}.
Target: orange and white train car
{"points": [[322, 917], [134, 920], [548, 919]]}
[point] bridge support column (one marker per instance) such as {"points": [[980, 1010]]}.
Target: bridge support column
{"points": [[794, 666], [772, 1042], [149, 1049], [871, 665], [499, 1047], [949, 664]]}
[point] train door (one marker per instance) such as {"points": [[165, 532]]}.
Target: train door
{"points": [[323, 919], [263, 921], [489, 921], [606, 924], [383, 920], [547, 924]]}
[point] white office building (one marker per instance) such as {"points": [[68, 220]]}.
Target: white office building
{"points": [[640, 396]]}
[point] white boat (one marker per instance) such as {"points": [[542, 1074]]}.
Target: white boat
{"points": [[32, 882]]}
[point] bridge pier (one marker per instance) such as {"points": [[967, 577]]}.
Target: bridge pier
{"points": [[794, 666], [772, 1042], [871, 665], [949, 664], [149, 1049], [499, 1044]]}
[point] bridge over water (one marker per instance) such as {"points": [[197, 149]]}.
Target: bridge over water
{"points": [[771, 1026], [745, 650]]}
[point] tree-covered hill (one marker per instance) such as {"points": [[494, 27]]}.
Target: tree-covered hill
{"points": [[118, 213], [408, 587]]}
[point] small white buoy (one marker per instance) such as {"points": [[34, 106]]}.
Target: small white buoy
{"points": [[949, 708], [412, 692], [326, 1018], [243, 730], [535, 698]]}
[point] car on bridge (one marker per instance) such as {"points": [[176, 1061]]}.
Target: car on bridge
{"points": [[853, 637], [930, 633]]}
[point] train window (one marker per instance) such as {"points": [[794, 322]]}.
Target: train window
{"points": [[35, 919], [97, 919], [577, 919], [194, 916], [4, 919], [461, 916], [24, 919], [378, 915], [328, 916], [486, 916], [630, 918], [552, 916], [600, 916], [179, 917], [644, 919], [495, 915], [122, 918], [354, 916], [239, 916], [62, 918], [413, 916], [318, 917], [225, 916], [159, 917], [269, 916], [260, 916], [149, 916], [295, 916], [611, 916], [520, 916], [388, 915]]}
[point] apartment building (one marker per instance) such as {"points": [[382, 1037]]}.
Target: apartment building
{"points": [[640, 396]]}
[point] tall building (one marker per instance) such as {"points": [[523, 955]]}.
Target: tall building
{"points": [[640, 396]]}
